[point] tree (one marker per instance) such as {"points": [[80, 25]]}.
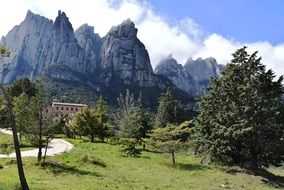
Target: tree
{"points": [[23, 86], [134, 120], [101, 118], [22, 110], [169, 139], [136, 124], [86, 120], [168, 110], [93, 122], [241, 118], [4, 52], [36, 125]]}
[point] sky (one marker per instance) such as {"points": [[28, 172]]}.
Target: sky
{"points": [[183, 28]]}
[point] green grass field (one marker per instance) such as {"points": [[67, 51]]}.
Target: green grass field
{"points": [[112, 170]]}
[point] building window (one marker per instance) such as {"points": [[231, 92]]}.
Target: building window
{"points": [[66, 108], [57, 108], [62, 115], [66, 115], [71, 109], [61, 108], [46, 111], [76, 109]]}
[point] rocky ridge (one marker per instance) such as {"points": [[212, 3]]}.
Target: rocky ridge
{"points": [[41, 47], [193, 77]]}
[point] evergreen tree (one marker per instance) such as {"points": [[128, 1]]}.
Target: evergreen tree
{"points": [[241, 118], [102, 119], [169, 139], [168, 110], [86, 120], [23, 86], [135, 120]]}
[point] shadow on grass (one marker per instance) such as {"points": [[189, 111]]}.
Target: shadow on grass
{"points": [[57, 168], [270, 178], [27, 146], [189, 167], [93, 160], [267, 177], [151, 151]]}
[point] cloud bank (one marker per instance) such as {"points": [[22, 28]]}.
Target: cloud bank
{"points": [[161, 36]]}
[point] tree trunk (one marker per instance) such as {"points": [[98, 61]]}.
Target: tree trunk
{"points": [[46, 146], [21, 172], [20, 136], [40, 138], [92, 138], [253, 159], [173, 158]]}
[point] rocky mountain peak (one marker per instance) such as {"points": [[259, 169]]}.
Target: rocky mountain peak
{"points": [[172, 70], [124, 56], [126, 30], [62, 27], [168, 66], [203, 69]]}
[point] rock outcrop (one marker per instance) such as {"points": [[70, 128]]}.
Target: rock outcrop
{"points": [[175, 72], [203, 69], [124, 57], [41, 47], [193, 77]]}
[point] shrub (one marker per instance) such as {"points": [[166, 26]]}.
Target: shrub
{"points": [[129, 147]]}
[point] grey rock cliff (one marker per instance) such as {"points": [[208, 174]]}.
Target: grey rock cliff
{"points": [[125, 58], [169, 68], [41, 47], [193, 77], [203, 69], [29, 44], [90, 42]]}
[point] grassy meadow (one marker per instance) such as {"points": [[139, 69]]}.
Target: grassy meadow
{"points": [[103, 166]]}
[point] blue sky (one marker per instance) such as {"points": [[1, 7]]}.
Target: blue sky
{"points": [[184, 28], [243, 20]]}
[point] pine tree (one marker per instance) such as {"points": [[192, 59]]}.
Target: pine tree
{"points": [[101, 118], [241, 119], [135, 122], [170, 138], [168, 110]]}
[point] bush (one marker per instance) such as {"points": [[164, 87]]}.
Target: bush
{"points": [[114, 141], [6, 148], [129, 147], [11, 162]]}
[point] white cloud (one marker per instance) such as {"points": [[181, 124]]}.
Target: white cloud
{"points": [[161, 37]]}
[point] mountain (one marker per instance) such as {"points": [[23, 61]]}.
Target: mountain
{"points": [[107, 65], [41, 47], [193, 77]]}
